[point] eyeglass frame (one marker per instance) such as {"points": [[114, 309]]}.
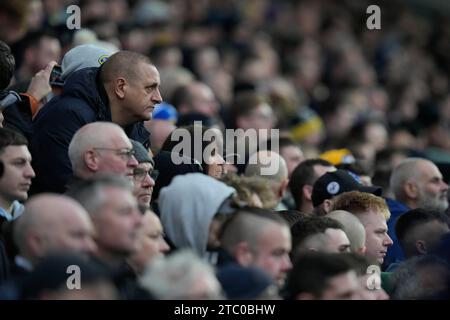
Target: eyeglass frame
{"points": [[152, 173], [129, 153]]}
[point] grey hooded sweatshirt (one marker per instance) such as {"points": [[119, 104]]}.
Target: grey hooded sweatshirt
{"points": [[187, 207]]}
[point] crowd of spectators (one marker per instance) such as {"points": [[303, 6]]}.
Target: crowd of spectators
{"points": [[334, 184]]}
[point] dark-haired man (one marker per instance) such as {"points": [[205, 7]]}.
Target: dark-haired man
{"points": [[302, 181], [419, 231], [17, 174]]}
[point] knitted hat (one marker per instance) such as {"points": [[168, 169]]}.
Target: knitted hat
{"points": [[140, 153], [83, 56]]}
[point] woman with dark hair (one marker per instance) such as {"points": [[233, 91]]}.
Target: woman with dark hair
{"points": [[201, 144]]}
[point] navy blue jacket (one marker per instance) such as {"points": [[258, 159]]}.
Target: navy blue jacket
{"points": [[82, 101], [395, 252]]}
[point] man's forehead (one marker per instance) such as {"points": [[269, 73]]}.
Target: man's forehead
{"points": [[276, 236], [15, 151], [429, 170], [373, 217], [334, 233], [145, 165], [120, 199], [152, 223], [149, 71], [120, 140]]}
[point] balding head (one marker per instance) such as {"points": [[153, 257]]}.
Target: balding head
{"points": [[418, 183], [353, 228], [269, 165], [53, 223], [132, 84], [100, 148], [122, 64]]}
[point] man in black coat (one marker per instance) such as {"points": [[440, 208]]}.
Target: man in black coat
{"points": [[124, 90]]}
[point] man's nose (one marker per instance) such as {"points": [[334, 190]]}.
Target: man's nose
{"points": [[132, 162]]}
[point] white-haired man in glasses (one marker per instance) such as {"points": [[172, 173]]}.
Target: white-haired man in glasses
{"points": [[100, 149]]}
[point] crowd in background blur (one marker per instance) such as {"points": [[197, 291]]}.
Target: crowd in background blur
{"points": [[342, 96]]}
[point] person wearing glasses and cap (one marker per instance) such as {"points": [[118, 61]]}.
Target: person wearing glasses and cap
{"points": [[144, 175], [99, 149]]}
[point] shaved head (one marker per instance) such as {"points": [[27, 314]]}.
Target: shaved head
{"points": [[353, 228], [247, 227], [123, 64]]}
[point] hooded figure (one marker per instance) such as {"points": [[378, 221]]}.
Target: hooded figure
{"points": [[188, 206]]}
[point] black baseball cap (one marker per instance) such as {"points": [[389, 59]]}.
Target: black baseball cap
{"points": [[336, 182]]}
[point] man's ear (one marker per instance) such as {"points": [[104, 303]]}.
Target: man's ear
{"points": [[91, 160], [361, 250], [243, 254], [307, 191], [327, 205], [35, 244], [283, 187], [120, 87], [421, 247], [411, 189]]}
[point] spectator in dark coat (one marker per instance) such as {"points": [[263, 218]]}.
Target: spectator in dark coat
{"points": [[124, 90]]}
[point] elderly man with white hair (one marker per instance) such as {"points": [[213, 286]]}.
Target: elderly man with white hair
{"points": [[99, 149], [415, 183]]}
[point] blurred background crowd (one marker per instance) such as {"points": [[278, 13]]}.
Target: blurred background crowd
{"points": [[373, 102]]}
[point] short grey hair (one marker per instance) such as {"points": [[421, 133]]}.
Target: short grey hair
{"points": [[174, 277], [403, 172], [91, 193], [263, 160], [95, 134]]}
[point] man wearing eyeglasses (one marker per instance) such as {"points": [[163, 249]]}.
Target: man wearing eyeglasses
{"points": [[99, 149], [144, 175]]}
